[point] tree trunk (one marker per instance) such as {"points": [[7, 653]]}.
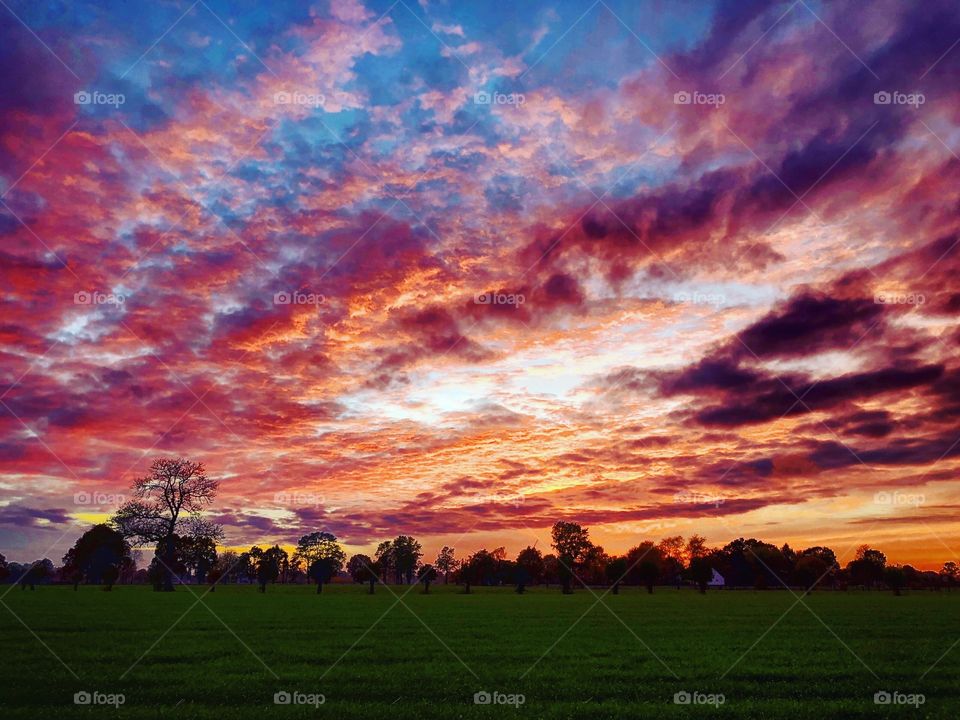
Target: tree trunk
{"points": [[616, 588], [169, 558], [319, 586], [650, 588], [466, 588]]}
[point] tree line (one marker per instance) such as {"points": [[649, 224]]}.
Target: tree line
{"points": [[166, 515]]}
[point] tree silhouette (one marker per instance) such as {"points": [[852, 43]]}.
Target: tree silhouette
{"points": [[701, 572], [895, 578], [323, 556], [571, 542], [867, 568], [646, 564], [406, 552], [950, 574], [445, 563], [529, 567], [427, 576], [98, 553], [615, 570], [362, 569], [169, 502]]}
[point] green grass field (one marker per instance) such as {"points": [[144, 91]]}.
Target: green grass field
{"points": [[167, 654]]}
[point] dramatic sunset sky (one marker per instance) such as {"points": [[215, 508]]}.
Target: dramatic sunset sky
{"points": [[737, 264]]}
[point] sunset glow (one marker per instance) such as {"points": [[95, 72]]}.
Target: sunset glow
{"points": [[461, 271]]}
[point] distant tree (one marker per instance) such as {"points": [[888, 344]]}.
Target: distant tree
{"points": [[696, 547], [593, 566], [672, 550], [98, 552], [809, 570], [385, 560], [406, 557], [268, 564], [322, 555], [363, 570], [427, 576], [169, 502], [38, 572], [571, 541], [215, 573], [646, 563], [826, 556], [109, 576], [551, 569], [4, 569], [950, 574], [867, 568], [895, 578], [227, 564], [701, 572], [156, 574], [445, 563], [529, 567], [616, 569], [478, 569], [198, 554]]}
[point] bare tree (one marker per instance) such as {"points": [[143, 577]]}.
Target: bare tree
{"points": [[169, 502]]}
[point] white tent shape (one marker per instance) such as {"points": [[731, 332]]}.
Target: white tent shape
{"points": [[717, 580]]}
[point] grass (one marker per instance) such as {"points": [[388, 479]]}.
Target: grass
{"points": [[425, 658]]}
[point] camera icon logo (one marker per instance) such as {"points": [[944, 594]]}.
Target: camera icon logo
{"points": [[82, 97], [82, 698], [882, 698], [483, 298], [882, 98], [282, 698], [682, 98], [281, 298], [482, 698], [481, 98], [682, 698]]}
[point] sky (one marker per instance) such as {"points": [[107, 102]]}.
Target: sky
{"points": [[461, 270]]}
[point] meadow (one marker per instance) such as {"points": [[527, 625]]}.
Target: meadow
{"points": [[426, 656]]}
